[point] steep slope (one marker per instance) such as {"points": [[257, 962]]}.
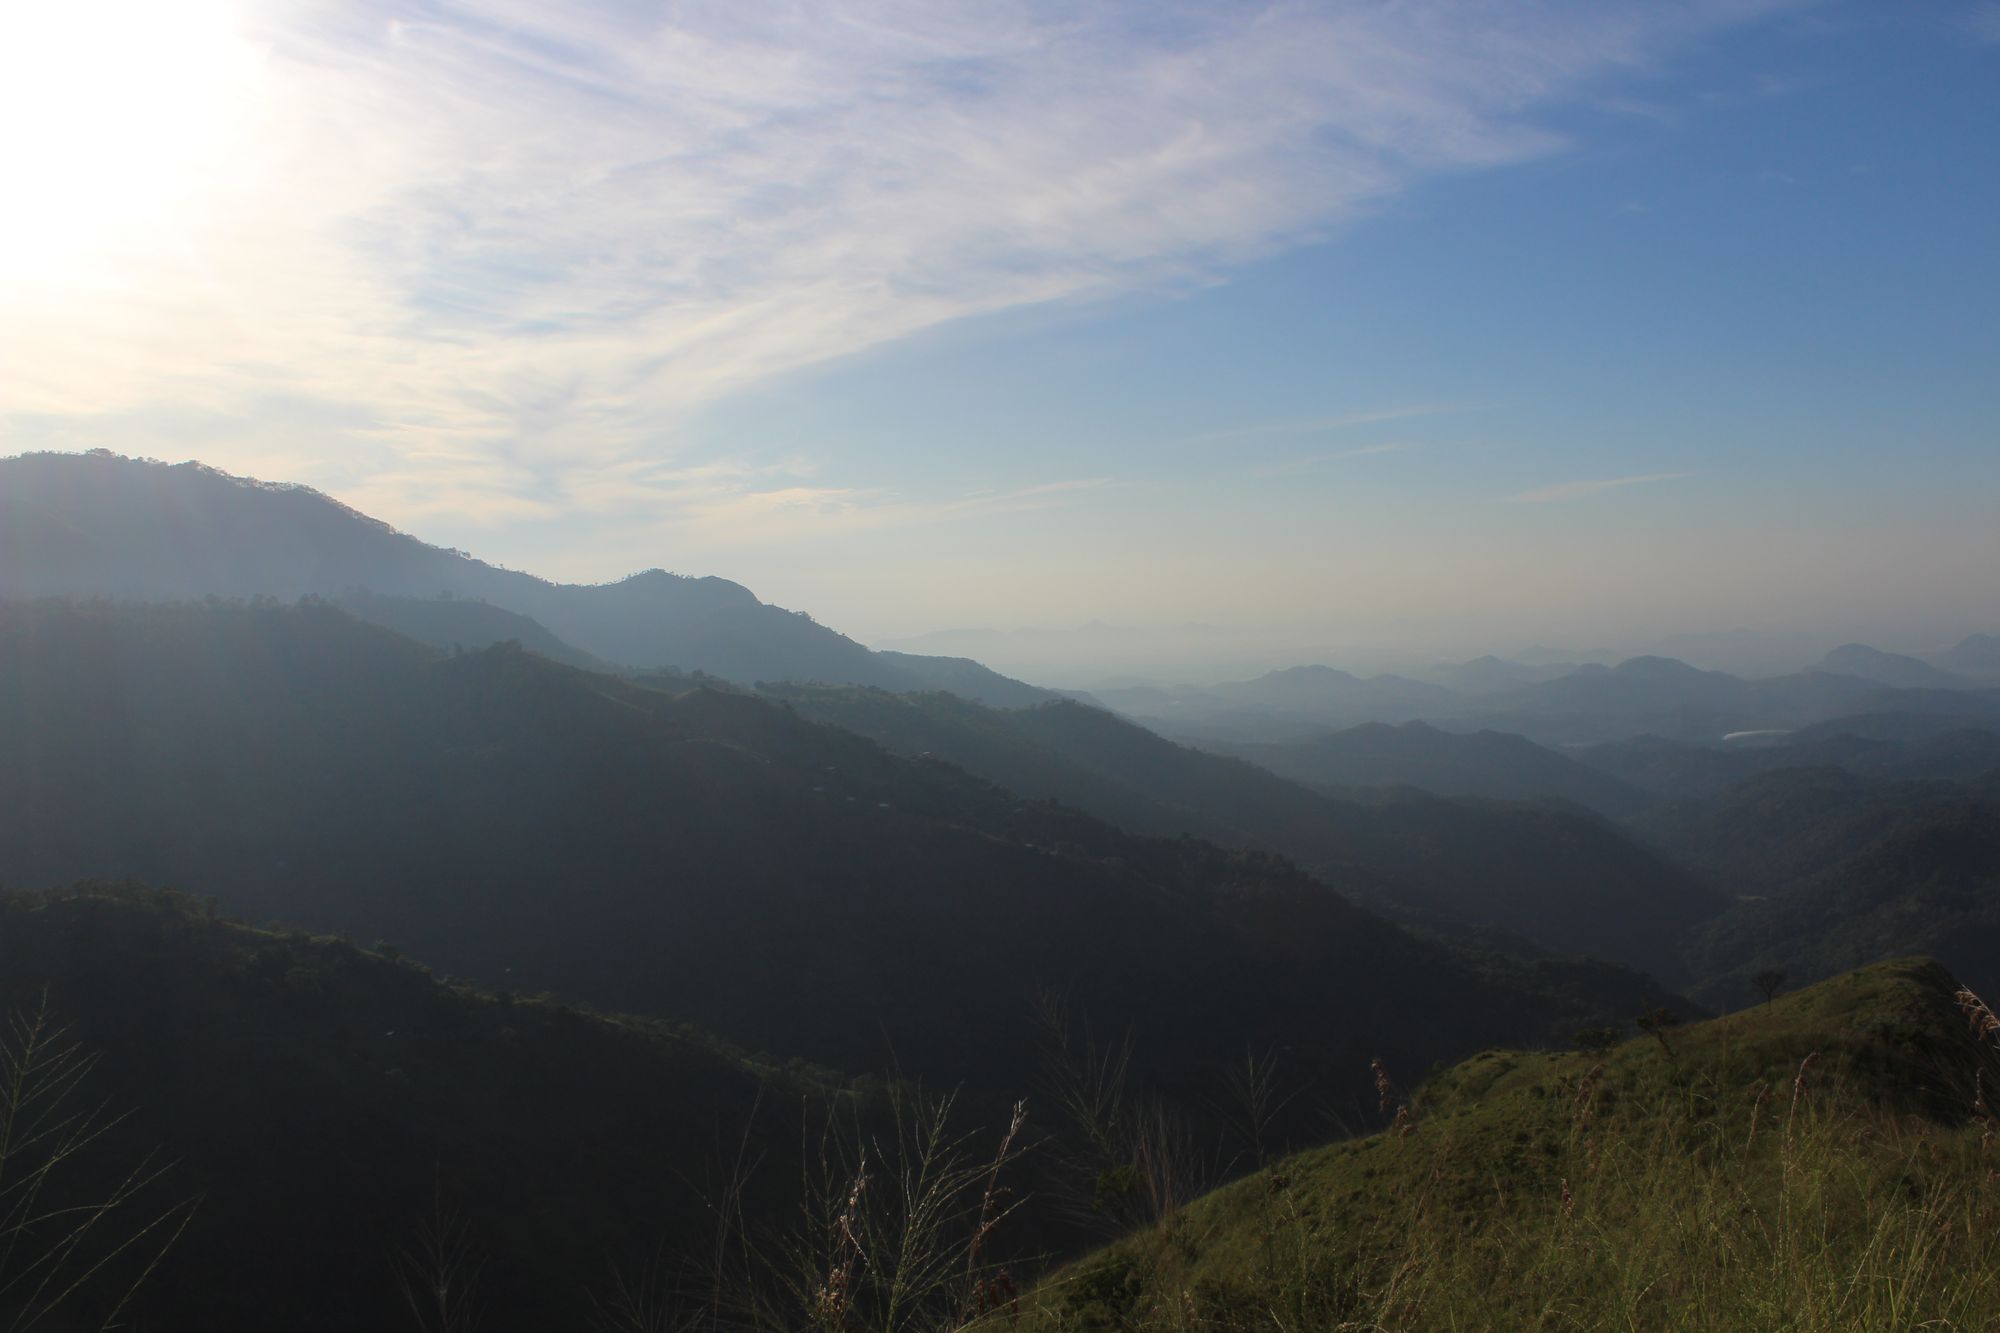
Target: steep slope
{"points": [[1780, 826], [1489, 764], [318, 1099], [967, 679], [1889, 870], [98, 525], [459, 623], [709, 856], [1563, 879], [1808, 1165]]}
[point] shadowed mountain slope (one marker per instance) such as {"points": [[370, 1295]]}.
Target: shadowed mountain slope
{"points": [[1489, 764], [709, 856], [1877, 745], [1841, 870], [318, 1099], [1561, 878], [459, 623]]}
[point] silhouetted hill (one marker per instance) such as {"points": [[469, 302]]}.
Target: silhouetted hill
{"points": [[1665, 698], [1325, 692], [1494, 675], [1562, 879], [1896, 669], [709, 856], [1489, 764], [98, 525], [1281, 705], [966, 678], [318, 1098], [1879, 745], [1977, 656], [1593, 703], [457, 622]]}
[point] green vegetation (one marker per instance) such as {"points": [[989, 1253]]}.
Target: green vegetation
{"points": [[1819, 1163]]}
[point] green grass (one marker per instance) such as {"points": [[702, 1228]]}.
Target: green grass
{"points": [[1701, 1184]]}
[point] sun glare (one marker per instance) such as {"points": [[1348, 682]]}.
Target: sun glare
{"points": [[116, 117]]}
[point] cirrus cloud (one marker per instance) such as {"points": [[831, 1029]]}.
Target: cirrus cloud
{"points": [[517, 243]]}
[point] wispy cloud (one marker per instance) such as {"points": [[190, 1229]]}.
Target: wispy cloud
{"points": [[1293, 466], [1583, 490], [1319, 425], [720, 504], [519, 241], [1984, 23]]}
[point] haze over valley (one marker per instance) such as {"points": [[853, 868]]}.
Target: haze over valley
{"points": [[934, 668]]}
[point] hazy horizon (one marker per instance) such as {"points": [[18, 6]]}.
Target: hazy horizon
{"points": [[1361, 334]]}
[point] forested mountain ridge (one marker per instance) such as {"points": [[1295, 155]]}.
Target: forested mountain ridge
{"points": [[1561, 878], [99, 525], [708, 856], [1490, 764]]}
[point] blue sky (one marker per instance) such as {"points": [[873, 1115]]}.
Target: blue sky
{"points": [[1448, 325]]}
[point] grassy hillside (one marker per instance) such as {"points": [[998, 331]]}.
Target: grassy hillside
{"points": [[1816, 1164]]}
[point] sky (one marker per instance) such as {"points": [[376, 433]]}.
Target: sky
{"points": [[1287, 328]]}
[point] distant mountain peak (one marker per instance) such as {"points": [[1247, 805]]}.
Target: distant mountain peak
{"points": [[102, 525], [1895, 669], [1661, 668]]}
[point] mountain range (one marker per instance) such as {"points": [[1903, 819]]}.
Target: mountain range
{"points": [[262, 754], [707, 856], [1592, 703], [99, 525]]}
